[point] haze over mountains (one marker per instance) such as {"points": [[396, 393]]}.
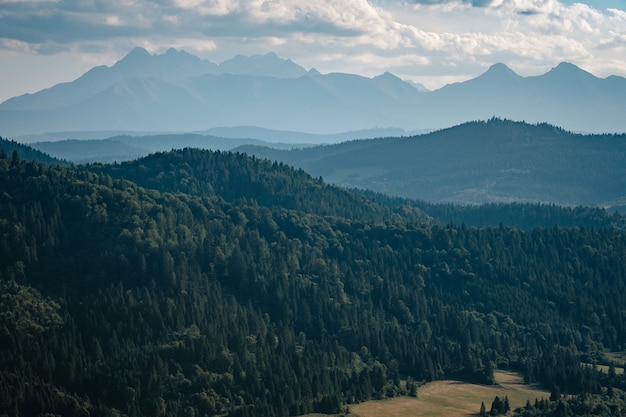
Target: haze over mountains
{"points": [[176, 91]]}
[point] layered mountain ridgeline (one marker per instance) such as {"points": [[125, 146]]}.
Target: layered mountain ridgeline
{"points": [[489, 163], [198, 293], [176, 91], [494, 161], [125, 147], [86, 147], [521, 215]]}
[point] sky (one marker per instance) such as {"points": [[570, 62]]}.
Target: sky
{"points": [[434, 42]]}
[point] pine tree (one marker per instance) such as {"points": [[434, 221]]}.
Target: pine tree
{"points": [[497, 406], [555, 393]]}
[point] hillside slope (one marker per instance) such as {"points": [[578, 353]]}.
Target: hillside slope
{"points": [[494, 161], [191, 294]]}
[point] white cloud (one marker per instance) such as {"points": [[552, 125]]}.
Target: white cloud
{"points": [[618, 14], [533, 35]]}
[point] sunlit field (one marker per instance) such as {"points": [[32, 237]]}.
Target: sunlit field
{"points": [[453, 398]]}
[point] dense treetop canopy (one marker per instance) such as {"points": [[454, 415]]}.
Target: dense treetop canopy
{"points": [[212, 283]]}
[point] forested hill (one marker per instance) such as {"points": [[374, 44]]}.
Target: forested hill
{"points": [[164, 299], [494, 161], [525, 216], [27, 152], [234, 176]]}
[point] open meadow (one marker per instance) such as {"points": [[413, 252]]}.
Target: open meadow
{"points": [[618, 359], [453, 398]]}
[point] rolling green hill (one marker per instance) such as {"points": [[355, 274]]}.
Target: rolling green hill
{"points": [[495, 161]]}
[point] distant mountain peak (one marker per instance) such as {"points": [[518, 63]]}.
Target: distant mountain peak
{"points": [[137, 54], [173, 64], [140, 57], [136, 58], [566, 66], [270, 65], [497, 76], [179, 56], [139, 51], [501, 69], [387, 76], [175, 52], [566, 69]]}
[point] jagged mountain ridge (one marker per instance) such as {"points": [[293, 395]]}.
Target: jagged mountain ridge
{"points": [[170, 66], [176, 91]]}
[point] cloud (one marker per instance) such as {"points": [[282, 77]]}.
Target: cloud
{"points": [[68, 22], [414, 38], [474, 3], [71, 21]]}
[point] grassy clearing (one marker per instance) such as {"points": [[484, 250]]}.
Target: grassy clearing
{"points": [[453, 398], [605, 368], [616, 358]]}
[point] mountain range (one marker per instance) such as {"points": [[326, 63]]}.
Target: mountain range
{"points": [[481, 162], [176, 91]]}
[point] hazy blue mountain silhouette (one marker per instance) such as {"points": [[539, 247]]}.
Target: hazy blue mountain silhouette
{"points": [[171, 65], [566, 96], [176, 91], [299, 138], [268, 65], [80, 147]]}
